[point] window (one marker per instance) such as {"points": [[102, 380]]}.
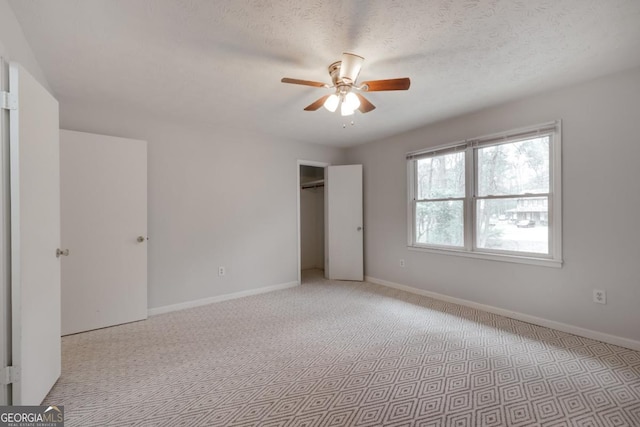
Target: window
{"points": [[495, 197]]}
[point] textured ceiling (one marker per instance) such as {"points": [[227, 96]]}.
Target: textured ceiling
{"points": [[220, 62]]}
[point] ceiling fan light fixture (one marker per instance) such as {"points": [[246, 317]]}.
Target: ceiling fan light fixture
{"points": [[345, 109], [352, 101], [332, 102]]}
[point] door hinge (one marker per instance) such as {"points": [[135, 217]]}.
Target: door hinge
{"points": [[10, 375], [8, 101]]}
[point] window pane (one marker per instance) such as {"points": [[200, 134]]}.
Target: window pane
{"points": [[440, 223], [514, 168], [441, 176], [517, 225]]}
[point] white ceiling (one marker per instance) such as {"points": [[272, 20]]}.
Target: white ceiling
{"points": [[220, 62]]}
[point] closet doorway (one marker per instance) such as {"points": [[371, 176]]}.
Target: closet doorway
{"points": [[311, 214]]}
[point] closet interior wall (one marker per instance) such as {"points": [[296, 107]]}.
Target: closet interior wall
{"points": [[312, 217]]}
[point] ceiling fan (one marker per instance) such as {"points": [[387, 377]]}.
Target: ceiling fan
{"points": [[344, 74]]}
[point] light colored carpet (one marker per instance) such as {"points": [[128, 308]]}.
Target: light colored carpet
{"points": [[343, 354]]}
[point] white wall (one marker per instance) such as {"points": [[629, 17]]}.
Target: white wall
{"points": [[601, 191], [13, 47], [217, 197], [312, 228]]}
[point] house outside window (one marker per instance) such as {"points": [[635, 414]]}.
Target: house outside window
{"points": [[496, 197]]}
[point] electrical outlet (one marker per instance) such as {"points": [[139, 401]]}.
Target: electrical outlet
{"points": [[402, 264], [221, 271], [599, 296]]}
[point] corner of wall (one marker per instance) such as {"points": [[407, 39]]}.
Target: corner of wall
{"points": [[14, 45]]}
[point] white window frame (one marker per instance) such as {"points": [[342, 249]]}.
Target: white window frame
{"points": [[470, 249]]}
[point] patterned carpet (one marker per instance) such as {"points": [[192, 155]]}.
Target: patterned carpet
{"points": [[343, 354]]}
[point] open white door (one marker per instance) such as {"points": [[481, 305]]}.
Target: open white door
{"points": [[35, 237], [104, 226], [344, 229]]}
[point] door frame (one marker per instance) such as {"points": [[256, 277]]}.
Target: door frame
{"points": [[5, 257], [298, 184]]}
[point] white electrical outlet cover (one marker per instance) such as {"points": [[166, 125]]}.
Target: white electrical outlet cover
{"points": [[599, 296]]}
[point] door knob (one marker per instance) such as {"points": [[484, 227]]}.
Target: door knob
{"points": [[359, 228], [62, 252], [141, 239]]}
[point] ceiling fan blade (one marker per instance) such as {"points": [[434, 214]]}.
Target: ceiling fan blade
{"points": [[390, 84], [317, 104], [365, 105], [303, 82], [350, 66]]}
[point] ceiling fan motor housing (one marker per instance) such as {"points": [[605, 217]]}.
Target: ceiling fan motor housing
{"points": [[342, 85], [334, 72]]}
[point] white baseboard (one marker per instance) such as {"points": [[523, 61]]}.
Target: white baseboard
{"points": [[559, 326], [219, 298]]}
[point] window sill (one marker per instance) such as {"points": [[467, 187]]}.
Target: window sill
{"points": [[542, 262]]}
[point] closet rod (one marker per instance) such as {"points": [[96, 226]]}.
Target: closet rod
{"points": [[306, 186]]}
